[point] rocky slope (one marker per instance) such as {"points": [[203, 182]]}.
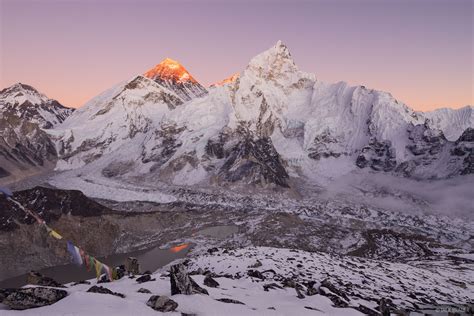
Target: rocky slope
{"points": [[26, 103], [269, 126], [25, 147]]}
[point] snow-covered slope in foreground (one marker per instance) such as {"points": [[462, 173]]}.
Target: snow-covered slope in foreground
{"points": [[272, 281]]}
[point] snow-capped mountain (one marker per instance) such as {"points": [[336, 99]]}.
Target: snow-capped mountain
{"points": [[25, 148], [27, 103], [269, 125], [453, 122], [173, 76]]}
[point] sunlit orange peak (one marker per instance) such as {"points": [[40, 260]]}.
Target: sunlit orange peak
{"points": [[230, 79], [169, 69]]}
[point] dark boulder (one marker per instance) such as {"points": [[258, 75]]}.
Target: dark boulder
{"points": [[145, 278], [210, 282], [5, 292], [36, 278], [162, 303], [132, 266], [143, 290], [288, 282], [81, 282], [182, 283], [256, 274], [120, 272], [26, 298], [299, 291], [228, 300], [271, 286], [212, 250], [103, 290]]}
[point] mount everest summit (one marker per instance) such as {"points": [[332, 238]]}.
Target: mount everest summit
{"points": [[270, 125]]}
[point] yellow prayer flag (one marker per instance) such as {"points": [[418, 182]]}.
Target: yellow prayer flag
{"points": [[98, 268], [55, 235]]}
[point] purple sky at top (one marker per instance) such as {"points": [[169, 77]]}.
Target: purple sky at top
{"points": [[419, 50]]}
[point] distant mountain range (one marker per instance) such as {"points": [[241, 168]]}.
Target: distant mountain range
{"points": [[271, 125]]}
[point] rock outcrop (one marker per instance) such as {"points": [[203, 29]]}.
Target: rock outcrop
{"points": [[33, 297], [162, 303], [182, 283]]}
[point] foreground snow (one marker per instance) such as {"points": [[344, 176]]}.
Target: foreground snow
{"points": [[362, 281]]}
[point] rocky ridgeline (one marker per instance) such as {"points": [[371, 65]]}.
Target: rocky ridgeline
{"points": [[50, 203]]}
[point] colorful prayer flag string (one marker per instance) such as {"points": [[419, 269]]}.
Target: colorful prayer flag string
{"points": [[78, 255]]}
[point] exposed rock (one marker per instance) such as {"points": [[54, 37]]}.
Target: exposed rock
{"points": [[26, 298], [271, 286], [4, 293], [310, 289], [384, 307], [254, 161], [162, 303], [212, 250], [229, 300], [210, 282], [367, 311], [81, 282], [327, 284], [132, 266], [299, 291], [289, 282], [103, 290], [257, 264], [51, 203], [145, 278], [36, 278], [325, 146], [120, 272], [143, 290], [182, 283], [425, 140], [256, 274], [312, 308], [378, 155]]}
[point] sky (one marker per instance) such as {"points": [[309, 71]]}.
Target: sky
{"points": [[421, 51]]}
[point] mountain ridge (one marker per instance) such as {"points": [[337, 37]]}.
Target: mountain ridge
{"points": [[267, 125], [274, 123]]}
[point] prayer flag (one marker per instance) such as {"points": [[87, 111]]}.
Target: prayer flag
{"points": [[55, 234]]}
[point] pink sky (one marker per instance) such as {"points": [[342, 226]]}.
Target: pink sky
{"points": [[421, 51]]}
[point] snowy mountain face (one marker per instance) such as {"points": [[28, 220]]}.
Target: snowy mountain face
{"points": [[27, 103], [270, 125], [25, 148], [453, 122]]}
